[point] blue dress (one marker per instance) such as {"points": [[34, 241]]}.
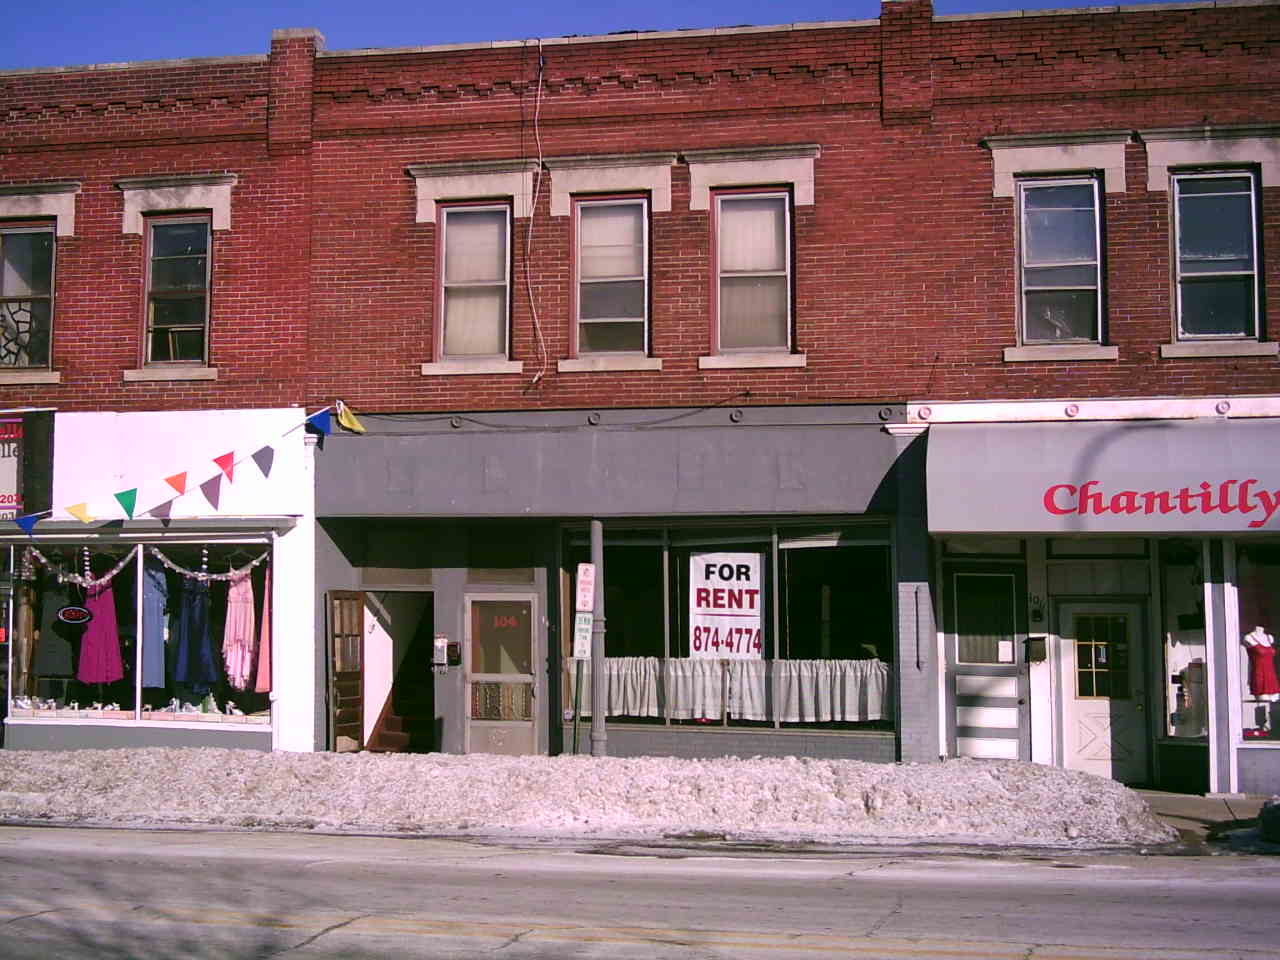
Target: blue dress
{"points": [[194, 662], [155, 598]]}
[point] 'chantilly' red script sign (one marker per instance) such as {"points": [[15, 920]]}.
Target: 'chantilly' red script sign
{"points": [[1230, 496]]}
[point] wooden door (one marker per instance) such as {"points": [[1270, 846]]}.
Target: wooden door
{"points": [[1104, 702], [346, 670]]}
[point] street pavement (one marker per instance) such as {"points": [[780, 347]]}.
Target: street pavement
{"points": [[102, 893]]}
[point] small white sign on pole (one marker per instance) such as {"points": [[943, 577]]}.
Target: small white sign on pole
{"points": [[725, 606], [582, 623], [586, 588]]}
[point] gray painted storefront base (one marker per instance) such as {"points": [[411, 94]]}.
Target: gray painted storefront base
{"points": [[626, 740], [1259, 770], [83, 736]]}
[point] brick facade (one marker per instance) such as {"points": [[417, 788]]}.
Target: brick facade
{"points": [[905, 264]]}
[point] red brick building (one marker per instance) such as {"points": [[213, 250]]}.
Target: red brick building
{"points": [[862, 308]]}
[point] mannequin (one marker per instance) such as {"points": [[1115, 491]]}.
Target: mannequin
{"points": [[1261, 648]]}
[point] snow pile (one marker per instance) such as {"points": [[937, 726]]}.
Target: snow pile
{"points": [[971, 801]]}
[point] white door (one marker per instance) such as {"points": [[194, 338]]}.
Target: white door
{"points": [[501, 685], [1104, 698]]}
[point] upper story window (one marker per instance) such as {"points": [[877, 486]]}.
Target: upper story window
{"points": [[475, 281], [178, 264], [753, 271], [26, 295], [1060, 275], [1216, 239], [612, 289]]}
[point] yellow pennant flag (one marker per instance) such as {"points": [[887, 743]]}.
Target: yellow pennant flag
{"points": [[347, 419], [81, 512]]}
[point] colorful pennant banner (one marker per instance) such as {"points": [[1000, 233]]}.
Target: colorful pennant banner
{"points": [[320, 422]]}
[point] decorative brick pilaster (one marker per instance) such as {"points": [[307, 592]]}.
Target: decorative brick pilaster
{"points": [[906, 71], [293, 56]]}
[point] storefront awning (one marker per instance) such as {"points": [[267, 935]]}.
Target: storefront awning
{"points": [[1148, 476]]}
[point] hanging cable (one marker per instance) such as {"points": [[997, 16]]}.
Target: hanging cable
{"points": [[528, 233]]}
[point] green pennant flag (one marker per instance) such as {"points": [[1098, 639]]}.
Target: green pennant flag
{"points": [[128, 499]]}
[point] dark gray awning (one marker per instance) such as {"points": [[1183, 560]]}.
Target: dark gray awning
{"points": [[1146, 476], [555, 469]]}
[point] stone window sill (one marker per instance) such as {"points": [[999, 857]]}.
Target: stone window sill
{"points": [[1060, 351], [605, 363], [23, 377], [454, 368], [1220, 348], [744, 361], [153, 374]]}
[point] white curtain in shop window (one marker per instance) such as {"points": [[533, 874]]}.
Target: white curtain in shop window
{"points": [[823, 691], [753, 265], [748, 689], [695, 689], [631, 684], [475, 282]]}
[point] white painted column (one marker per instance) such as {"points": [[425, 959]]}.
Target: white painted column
{"points": [[297, 677]]}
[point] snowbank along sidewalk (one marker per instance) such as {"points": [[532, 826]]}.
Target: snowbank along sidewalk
{"points": [[835, 801]]}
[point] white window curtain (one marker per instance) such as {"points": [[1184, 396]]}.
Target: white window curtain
{"points": [[753, 272], [475, 282], [612, 241], [825, 691], [809, 691], [632, 685]]}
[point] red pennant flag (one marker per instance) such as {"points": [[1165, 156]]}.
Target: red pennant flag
{"points": [[178, 481], [228, 463], [211, 488]]}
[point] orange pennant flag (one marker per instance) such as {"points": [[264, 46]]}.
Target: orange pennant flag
{"points": [[178, 481], [227, 462]]}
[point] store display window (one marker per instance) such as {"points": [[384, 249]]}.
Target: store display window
{"points": [[1258, 584], [152, 632], [1185, 649], [768, 628]]}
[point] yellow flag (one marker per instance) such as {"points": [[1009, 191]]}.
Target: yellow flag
{"points": [[347, 419], [81, 512]]}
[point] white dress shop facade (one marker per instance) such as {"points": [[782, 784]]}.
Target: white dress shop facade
{"points": [[1109, 585], [158, 590]]}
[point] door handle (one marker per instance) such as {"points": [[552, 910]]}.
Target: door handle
{"points": [[1022, 701]]}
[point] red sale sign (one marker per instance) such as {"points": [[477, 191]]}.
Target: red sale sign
{"points": [[726, 604]]}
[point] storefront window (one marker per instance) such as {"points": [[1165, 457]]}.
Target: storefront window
{"points": [[1186, 692], [140, 632], [719, 660], [1258, 580]]}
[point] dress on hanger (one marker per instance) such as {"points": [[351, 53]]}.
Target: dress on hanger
{"points": [[262, 683], [100, 647], [155, 598], [194, 663], [237, 636], [1262, 669]]}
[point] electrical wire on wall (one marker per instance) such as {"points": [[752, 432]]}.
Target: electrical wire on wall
{"points": [[528, 233]]}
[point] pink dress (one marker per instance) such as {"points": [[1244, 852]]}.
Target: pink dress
{"points": [[237, 636], [263, 683], [1262, 669], [100, 646]]}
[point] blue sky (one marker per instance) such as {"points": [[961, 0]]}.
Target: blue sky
{"points": [[65, 32]]}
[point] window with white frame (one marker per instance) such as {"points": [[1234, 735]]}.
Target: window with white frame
{"points": [[1216, 261], [178, 264], [26, 295], [1060, 260], [753, 267], [612, 275], [475, 272]]}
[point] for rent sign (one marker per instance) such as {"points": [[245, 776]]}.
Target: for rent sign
{"points": [[725, 606]]}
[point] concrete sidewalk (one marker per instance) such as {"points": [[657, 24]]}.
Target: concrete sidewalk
{"points": [[1201, 819]]}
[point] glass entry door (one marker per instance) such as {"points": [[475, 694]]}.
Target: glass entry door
{"points": [[502, 688]]}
